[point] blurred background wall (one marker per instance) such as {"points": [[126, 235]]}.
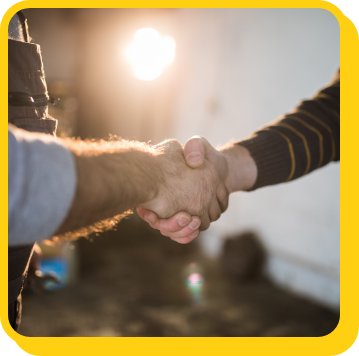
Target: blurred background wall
{"points": [[235, 70]]}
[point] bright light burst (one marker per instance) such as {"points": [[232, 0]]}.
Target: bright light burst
{"points": [[194, 279], [150, 53]]}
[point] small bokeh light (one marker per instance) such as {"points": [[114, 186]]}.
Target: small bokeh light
{"points": [[150, 53], [195, 285]]}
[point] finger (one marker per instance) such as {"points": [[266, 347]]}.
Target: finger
{"points": [[194, 151], [222, 197], [175, 223], [197, 149], [147, 215], [205, 222], [214, 210], [187, 239], [185, 231]]}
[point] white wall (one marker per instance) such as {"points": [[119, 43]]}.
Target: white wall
{"points": [[242, 68]]}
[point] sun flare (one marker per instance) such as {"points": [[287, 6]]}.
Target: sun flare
{"points": [[149, 53]]}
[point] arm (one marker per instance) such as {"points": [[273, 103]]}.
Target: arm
{"points": [[112, 177], [299, 142], [296, 144]]}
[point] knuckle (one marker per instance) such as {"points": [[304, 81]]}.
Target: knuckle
{"points": [[223, 199], [204, 226], [215, 217], [174, 144], [224, 205]]}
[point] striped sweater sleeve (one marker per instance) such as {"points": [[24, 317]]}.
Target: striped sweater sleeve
{"points": [[299, 142]]}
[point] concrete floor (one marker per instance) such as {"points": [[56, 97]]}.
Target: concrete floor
{"points": [[133, 282]]}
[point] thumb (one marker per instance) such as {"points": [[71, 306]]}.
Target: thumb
{"points": [[195, 151]]}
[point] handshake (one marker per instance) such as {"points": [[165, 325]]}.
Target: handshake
{"points": [[195, 186]]}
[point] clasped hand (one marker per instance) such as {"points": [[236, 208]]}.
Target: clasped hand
{"points": [[194, 191]]}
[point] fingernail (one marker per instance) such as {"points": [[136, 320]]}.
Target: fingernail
{"points": [[193, 234], [194, 224], [183, 220], [194, 157]]}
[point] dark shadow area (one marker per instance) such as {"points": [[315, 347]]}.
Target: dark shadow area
{"points": [[134, 282]]}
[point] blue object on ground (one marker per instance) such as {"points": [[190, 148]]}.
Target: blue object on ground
{"points": [[58, 266]]}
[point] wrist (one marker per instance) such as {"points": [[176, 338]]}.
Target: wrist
{"points": [[242, 170]]}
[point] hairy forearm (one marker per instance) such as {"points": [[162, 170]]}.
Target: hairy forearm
{"points": [[112, 177], [242, 170]]}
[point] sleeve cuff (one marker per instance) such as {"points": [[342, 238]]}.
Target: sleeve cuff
{"points": [[271, 155]]}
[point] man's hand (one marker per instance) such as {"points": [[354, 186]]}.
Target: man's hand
{"points": [[236, 170], [185, 189], [182, 227]]}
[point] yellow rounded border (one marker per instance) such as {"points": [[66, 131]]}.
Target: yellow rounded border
{"points": [[333, 344]]}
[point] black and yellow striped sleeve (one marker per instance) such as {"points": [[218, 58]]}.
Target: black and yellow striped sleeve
{"points": [[299, 142]]}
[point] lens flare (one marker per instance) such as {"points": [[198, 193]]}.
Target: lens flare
{"points": [[150, 53], [194, 285], [194, 279]]}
